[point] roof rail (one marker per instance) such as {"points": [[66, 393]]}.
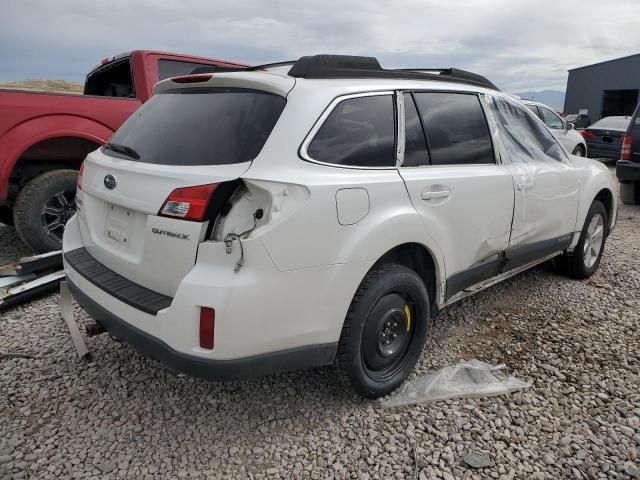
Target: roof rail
{"points": [[347, 66]]}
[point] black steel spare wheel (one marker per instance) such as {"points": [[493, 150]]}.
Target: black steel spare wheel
{"points": [[384, 332]]}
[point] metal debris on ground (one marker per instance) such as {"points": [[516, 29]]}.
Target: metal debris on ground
{"points": [[67, 314], [29, 277], [470, 379]]}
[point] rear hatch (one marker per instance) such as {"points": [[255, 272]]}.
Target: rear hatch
{"points": [[148, 197]]}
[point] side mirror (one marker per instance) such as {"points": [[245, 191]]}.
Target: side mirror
{"points": [[568, 126]]}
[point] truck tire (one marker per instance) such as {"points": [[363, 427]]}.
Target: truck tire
{"points": [[6, 215], [43, 207], [630, 193], [585, 259], [384, 332]]}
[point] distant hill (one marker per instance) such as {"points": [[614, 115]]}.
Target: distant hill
{"points": [[57, 86], [553, 98]]}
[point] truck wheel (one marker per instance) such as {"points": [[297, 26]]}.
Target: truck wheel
{"points": [[6, 215], [629, 193], [585, 259], [43, 207], [384, 331]]}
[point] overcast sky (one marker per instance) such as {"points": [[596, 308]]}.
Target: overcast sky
{"points": [[520, 45]]}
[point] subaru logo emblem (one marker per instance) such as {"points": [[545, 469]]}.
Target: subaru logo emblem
{"points": [[110, 182]]}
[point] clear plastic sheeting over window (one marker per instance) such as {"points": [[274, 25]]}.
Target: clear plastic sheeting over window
{"points": [[469, 379], [525, 137]]}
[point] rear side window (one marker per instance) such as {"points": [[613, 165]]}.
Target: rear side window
{"points": [[415, 146], [456, 128], [200, 126], [358, 132]]}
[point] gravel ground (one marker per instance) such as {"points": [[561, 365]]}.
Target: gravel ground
{"points": [[123, 416]]}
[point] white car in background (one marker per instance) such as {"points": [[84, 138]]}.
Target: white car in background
{"points": [[321, 212], [568, 137]]}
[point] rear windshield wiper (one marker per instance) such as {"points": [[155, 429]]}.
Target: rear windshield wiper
{"points": [[123, 149]]}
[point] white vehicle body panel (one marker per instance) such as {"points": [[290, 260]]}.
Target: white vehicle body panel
{"points": [[287, 283]]}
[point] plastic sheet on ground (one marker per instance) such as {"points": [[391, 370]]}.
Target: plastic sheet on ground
{"points": [[469, 379]]}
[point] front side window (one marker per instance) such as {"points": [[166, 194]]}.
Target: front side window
{"points": [[550, 119], [358, 132], [524, 137], [456, 128]]}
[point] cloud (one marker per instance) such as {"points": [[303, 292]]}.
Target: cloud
{"points": [[519, 45]]}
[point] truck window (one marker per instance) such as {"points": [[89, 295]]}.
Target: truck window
{"points": [[177, 68], [113, 79]]}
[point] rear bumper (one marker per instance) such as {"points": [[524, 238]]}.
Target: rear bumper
{"points": [[598, 151], [269, 363], [627, 171]]}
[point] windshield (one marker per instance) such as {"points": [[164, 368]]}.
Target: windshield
{"points": [[199, 126], [611, 123]]}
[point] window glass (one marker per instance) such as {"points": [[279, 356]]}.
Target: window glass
{"points": [[176, 68], [550, 119], [415, 146], [358, 132], [200, 126], [534, 109], [456, 128], [524, 137]]}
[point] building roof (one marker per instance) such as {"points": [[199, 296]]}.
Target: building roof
{"points": [[606, 61]]}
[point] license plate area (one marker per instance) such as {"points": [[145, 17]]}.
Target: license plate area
{"points": [[117, 226]]}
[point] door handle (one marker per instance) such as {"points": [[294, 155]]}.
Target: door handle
{"points": [[431, 194]]}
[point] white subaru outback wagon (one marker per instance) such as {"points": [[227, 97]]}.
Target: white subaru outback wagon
{"points": [[321, 212]]}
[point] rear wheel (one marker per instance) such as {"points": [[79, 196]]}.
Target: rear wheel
{"points": [[384, 332], [630, 193], [579, 151], [585, 259], [43, 207]]}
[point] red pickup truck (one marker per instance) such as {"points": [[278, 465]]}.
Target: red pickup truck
{"points": [[44, 137]]}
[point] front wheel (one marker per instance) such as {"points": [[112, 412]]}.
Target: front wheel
{"points": [[585, 259], [579, 151], [43, 207], [384, 331]]}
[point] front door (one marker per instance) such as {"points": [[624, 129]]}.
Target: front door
{"points": [[464, 196], [546, 187]]}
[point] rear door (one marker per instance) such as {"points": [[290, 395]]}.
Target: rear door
{"points": [[147, 196], [464, 195]]}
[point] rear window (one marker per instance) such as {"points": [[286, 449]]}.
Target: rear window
{"points": [[199, 126], [611, 123]]}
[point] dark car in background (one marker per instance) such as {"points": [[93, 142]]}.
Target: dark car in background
{"points": [[579, 120], [628, 167], [604, 138]]}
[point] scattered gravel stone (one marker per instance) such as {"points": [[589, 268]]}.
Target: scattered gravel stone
{"points": [[477, 460], [123, 416]]}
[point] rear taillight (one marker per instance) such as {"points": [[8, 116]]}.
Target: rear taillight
{"points": [[588, 135], [625, 154], [79, 180], [189, 203], [207, 326]]}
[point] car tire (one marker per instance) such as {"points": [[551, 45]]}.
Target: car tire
{"points": [[384, 331], [579, 151], [43, 207], [6, 215], [630, 193], [585, 259]]}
